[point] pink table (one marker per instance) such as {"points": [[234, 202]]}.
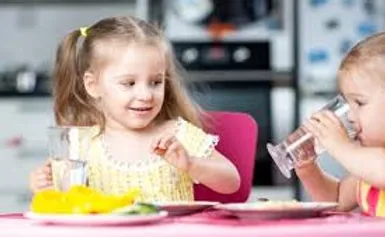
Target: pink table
{"points": [[207, 225]]}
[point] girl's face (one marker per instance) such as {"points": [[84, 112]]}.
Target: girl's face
{"points": [[366, 97], [130, 87]]}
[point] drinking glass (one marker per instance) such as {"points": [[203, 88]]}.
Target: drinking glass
{"points": [[68, 168], [301, 147]]}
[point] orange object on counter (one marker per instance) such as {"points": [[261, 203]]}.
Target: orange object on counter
{"points": [[219, 30]]}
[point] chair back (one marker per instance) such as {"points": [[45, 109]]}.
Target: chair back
{"points": [[238, 134]]}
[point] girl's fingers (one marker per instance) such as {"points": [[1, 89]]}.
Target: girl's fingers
{"points": [[327, 118], [309, 126], [166, 141], [43, 173], [160, 145], [155, 144], [160, 151], [319, 118], [44, 177], [332, 117], [322, 121], [173, 147], [46, 170], [314, 127], [48, 163], [38, 185], [44, 185]]}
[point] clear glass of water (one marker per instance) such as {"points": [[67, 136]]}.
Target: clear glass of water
{"points": [[301, 147], [68, 167]]}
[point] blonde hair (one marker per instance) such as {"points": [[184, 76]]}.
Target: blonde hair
{"points": [[72, 104], [364, 56]]}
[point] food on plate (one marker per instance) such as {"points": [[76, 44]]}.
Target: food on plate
{"points": [[80, 200], [270, 204], [137, 209]]}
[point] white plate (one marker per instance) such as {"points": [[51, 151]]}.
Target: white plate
{"points": [[276, 210], [101, 219], [183, 208]]}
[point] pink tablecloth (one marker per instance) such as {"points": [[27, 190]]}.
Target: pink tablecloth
{"points": [[207, 225]]}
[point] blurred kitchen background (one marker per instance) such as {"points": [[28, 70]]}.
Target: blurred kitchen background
{"points": [[274, 59]]}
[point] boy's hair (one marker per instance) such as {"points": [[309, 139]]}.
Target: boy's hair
{"points": [[363, 55], [72, 104]]}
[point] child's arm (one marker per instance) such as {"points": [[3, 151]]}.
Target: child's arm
{"points": [[216, 172], [191, 150], [323, 187], [367, 163]]}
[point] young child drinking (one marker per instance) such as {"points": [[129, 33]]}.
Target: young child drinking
{"points": [[122, 81], [361, 78]]}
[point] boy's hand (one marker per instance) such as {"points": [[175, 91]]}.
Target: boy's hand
{"points": [[168, 147], [41, 178], [328, 129]]}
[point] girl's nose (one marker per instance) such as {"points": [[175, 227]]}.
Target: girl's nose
{"points": [[144, 93]]}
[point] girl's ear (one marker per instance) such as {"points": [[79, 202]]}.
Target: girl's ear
{"points": [[91, 85]]}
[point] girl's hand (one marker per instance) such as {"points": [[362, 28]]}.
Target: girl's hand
{"points": [[41, 178], [168, 147], [328, 129]]}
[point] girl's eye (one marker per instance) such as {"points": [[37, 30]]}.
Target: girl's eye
{"points": [[359, 103], [128, 83], [156, 82]]}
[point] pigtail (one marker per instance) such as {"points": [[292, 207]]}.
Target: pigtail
{"points": [[73, 107], [65, 76]]}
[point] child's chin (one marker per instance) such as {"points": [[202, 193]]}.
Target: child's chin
{"points": [[138, 124]]}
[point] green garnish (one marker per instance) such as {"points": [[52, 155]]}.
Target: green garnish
{"points": [[137, 209]]}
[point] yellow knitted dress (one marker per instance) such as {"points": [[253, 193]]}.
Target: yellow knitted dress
{"points": [[156, 179]]}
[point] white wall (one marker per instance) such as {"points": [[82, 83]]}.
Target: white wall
{"points": [[30, 34]]}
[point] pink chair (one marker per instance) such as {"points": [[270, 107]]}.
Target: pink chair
{"points": [[238, 134]]}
